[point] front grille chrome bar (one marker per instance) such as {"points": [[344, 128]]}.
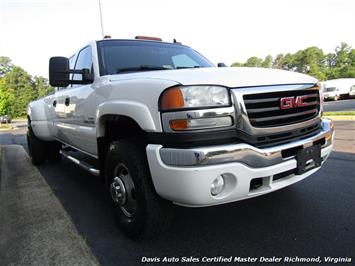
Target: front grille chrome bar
{"points": [[265, 110], [243, 153]]}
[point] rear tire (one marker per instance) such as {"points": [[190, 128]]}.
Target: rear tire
{"points": [[140, 212], [36, 148], [53, 148], [41, 151]]}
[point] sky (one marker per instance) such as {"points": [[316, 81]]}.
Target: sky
{"points": [[31, 31]]}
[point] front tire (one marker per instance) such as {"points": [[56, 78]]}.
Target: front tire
{"points": [[140, 212]]}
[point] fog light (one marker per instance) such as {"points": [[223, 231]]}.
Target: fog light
{"points": [[217, 185]]}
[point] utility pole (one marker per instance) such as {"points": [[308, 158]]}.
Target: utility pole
{"points": [[102, 25]]}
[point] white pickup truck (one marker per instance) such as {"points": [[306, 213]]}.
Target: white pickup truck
{"points": [[165, 125], [336, 89]]}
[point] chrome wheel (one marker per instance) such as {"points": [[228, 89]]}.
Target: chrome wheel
{"points": [[123, 191]]}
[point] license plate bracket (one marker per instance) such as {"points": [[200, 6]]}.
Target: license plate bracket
{"points": [[308, 159]]}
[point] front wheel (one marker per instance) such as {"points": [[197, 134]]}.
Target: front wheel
{"points": [[141, 213]]}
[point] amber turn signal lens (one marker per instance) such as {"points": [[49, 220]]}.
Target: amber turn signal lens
{"points": [[179, 124], [172, 99]]}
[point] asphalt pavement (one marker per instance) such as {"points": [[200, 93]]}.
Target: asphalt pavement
{"points": [[314, 217], [35, 229], [341, 105]]}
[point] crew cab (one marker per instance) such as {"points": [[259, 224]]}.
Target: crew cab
{"points": [[164, 125]]}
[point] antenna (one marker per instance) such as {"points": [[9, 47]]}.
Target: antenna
{"points": [[102, 25]]}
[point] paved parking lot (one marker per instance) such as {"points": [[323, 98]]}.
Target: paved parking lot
{"points": [[342, 105], [314, 217]]}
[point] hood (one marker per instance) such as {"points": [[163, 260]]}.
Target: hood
{"points": [[228, 76]]}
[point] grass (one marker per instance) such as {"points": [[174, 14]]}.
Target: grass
{"points": [[346, 113]]}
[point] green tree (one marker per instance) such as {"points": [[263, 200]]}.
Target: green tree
{"points": [[42, 87], [278, 62], [5, 65], [7, 100], [309, 61], [253, 62], [288, 62], [236, 64], [341, 64], [312, 61], [267, 63], [18, 88]]}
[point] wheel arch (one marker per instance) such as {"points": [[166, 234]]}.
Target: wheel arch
{"points": [[115, 127], [138, 112]]}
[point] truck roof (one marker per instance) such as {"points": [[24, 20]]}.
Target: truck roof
{"points": [[142, 40]]}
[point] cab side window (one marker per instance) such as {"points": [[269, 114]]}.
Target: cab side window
{"points": [[84, 60]]}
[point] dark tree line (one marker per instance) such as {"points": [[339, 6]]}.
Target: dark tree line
{"points": [[312, 61]]}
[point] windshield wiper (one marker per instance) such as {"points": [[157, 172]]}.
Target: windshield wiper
{"points": [[183, 67], [142, 68]]}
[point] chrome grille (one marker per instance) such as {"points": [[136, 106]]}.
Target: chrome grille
{"points": [[264, 109]]}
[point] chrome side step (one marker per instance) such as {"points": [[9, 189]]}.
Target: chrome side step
{"points": [[83, 165]]}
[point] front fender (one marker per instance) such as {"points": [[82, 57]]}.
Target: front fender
{"points": [[135, 110]]}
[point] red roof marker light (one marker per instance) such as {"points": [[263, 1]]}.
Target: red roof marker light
{"points": [[148, 38]]}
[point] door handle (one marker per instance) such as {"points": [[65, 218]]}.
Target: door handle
{"points": [[54, 103], [67, 101]]}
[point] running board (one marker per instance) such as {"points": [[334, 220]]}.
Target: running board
{"points": [[82, 164]]}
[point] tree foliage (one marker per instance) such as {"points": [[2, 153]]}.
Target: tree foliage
{"points": [[42, 86], [5, 65], [18, 88], [311, 61]]}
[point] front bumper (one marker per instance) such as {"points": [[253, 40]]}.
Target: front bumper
{"points": [[184, 176]]}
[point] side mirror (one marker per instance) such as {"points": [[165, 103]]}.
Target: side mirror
{"points": [[88, 77], [221, 65], [59, 71]]}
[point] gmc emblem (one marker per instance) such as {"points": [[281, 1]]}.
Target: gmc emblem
{"points": [[293, 102]]}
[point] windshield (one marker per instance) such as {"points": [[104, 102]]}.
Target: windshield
{"points": [[330, 89], [120, 56]]}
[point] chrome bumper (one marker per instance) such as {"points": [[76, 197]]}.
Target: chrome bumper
{"points": [[243, 153]]}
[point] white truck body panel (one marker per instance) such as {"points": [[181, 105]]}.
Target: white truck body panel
{"points": [[190, 186], [77, 124]]}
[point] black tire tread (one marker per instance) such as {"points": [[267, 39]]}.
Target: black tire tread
{"points": [[41, 151], [36, 147], [157, 215], [53, 148]]}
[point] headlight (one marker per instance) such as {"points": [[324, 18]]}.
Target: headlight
{"points": [[194, 97]]}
